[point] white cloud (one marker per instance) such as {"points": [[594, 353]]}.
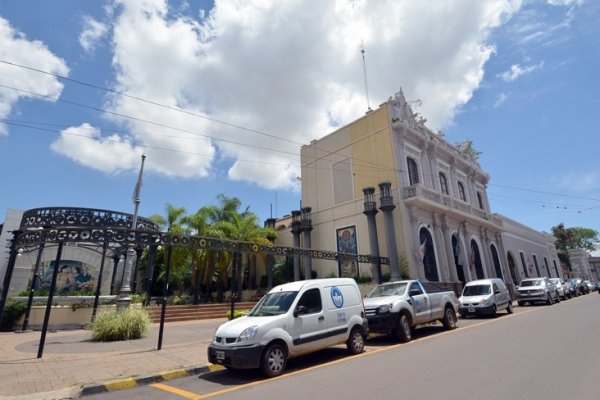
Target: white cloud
{"points": [[581, 182], [500, 99], [85, 145], [92, 32], [291, 69], [17, 49], [516, 71], [565, 2]]}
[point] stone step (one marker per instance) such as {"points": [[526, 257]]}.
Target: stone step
{"points": [[194, 312]]}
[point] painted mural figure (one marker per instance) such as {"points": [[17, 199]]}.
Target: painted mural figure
{"points": [[73, 276], [346, 243]]}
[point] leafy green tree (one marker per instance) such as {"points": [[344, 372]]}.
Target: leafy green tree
{"points": [[573, 238], [244, 227]]}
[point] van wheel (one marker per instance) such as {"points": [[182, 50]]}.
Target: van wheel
{"points": [[356, 341], [509, 308], [449, 320], [403, 331], [273, 360], [494, 311]]}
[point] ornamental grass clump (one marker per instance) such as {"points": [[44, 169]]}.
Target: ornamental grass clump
{"points": [[127, 324]]}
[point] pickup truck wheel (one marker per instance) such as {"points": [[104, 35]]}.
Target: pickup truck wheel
{"points": [[273, 360], [449, 320], [403, 331], [356, 341]]}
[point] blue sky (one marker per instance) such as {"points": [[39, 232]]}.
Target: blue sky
{"points": [[220, 97]]}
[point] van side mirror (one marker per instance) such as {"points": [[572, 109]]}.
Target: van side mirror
{"points": [[497, 291], [414, 292], [299, 310]]}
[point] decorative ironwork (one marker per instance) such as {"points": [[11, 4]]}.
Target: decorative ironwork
{"points": [[82, 217], [142, 238]]}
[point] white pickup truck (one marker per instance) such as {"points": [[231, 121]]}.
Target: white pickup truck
{"points": [[398, 307]]}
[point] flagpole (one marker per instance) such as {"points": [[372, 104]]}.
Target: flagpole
{"points": [[124, 299]]}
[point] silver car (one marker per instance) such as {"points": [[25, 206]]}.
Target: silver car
{"points": [[561, 286], [534, 290]]}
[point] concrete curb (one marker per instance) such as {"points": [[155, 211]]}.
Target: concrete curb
{"points": [[128, 383]]}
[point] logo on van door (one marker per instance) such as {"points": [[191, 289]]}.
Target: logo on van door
{"points": [[336, 296]]}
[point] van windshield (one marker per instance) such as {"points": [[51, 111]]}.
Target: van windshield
{"points": [[273, 304], [476, 290], [388, 289]]}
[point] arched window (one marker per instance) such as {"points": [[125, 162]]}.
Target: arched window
{"points": [[427, 254], [461, 191], [413, 171], [524, 264], [537, 267], [496, 260], [512, 267], [556, 269], [456, 250], [476, 260], [443, 183], [480, 200]]}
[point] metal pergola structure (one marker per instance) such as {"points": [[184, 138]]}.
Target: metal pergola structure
{"points": [[112, 232]]}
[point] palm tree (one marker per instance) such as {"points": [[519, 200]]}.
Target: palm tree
{"points": [[173, 223], [201, 259], [245, 228]]}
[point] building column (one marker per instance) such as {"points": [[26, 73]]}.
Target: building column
{"points": [[449, 251], [296, 229], [420, 272], [440, 248], [306, 229], [387, 206], [370, 210], [485, 242]]}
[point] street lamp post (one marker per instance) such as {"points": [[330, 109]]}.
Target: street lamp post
{"points": [[124, 299]]}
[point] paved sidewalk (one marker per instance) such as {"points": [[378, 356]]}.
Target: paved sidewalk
{"points": [[73, 365]]}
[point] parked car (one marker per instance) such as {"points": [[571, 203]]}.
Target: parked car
{"points": [[292, 319], [398, 307], [572, 289], [597, 285], [561, 286], [589, 285], [534, 290], [577, 284], [484, 296]]}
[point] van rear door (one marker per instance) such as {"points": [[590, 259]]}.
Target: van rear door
{"points": [[342, 303]]}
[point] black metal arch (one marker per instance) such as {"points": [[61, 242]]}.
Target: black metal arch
{"points": [[142, 238]]}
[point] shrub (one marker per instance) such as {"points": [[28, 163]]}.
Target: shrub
{"points": [[13, 310], [127, 324]]}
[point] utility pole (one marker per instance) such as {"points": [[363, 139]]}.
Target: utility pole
{"points": [[124, 299]]}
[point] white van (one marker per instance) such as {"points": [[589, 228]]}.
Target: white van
{"points": [[484, 296], [292, 319]]}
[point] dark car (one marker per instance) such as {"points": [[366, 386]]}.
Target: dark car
{"points": [[581, 288], [572, 288], [597, 285]]}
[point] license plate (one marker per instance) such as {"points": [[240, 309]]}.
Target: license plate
{"points": [[471, 309], [220, 355]]}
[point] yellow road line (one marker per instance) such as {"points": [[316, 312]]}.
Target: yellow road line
{"points": [[180, 392], [365, 354]]}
